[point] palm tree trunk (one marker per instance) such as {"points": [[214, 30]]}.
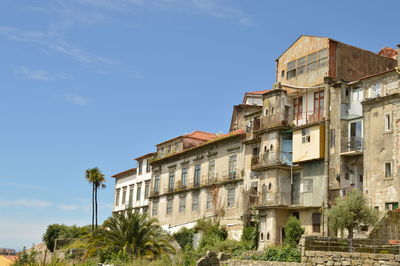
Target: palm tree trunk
{"points": [[92, 207], [96, 204]]}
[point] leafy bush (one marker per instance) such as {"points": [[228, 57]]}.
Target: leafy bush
{"points": [[212, 234], [278, 253], [26, 257], [293, 232], [56, 231], [232, 247], [250, 236], [184, 237]]}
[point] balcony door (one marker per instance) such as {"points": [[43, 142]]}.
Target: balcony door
{"points": [[318, 105], [355, 135], [287, 151], [296, 189]]}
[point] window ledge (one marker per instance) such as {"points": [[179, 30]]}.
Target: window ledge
{"points": [[387, 132], [388, 178]]}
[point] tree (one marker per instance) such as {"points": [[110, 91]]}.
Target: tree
{"points": [[53, 232], [96, 178], [293, 231], [133, 234], [351, 212]]}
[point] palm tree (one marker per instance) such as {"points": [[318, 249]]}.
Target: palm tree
{"points": [[96, 178], [134, 234]]}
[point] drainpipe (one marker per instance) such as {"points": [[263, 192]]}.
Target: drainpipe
{"points": [[327, 105]]}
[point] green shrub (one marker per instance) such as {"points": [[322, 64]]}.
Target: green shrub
{"points": [[279, 253], [250, 236], [232, 247], [184, 237], [293, 232]]}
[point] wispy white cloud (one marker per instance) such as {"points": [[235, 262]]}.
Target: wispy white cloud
{"points": [[55, 42], [31, 203], [23, 186], [39, 74], [68, 207], [221, 9], [76, 99]]}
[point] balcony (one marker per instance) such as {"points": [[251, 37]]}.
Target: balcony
{"points": [[269, 159], [271, 198], [309, 117], [275, 120], [351, 146]]}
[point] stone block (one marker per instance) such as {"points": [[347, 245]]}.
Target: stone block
{"points": [[384, 256], [346, 263], [318, 260]]}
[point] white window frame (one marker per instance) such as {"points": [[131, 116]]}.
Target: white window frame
{"points": [[388, 122], [391, 169], [376, 89], [231, 197]]}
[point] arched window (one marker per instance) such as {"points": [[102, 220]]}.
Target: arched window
{"points": [[262, 236], [271, 147], [272, 110], [267, 236], [269, 186], [266, 111], [265, 148]]}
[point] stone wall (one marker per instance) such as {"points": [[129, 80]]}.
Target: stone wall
{"points": [[344, 258], [259, 263]]}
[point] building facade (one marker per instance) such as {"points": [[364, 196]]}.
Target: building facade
{"points": [[328, 124], [132, 187]]}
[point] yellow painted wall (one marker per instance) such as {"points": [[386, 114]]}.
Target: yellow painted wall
{"points": [[310, 150], [5, 261]]}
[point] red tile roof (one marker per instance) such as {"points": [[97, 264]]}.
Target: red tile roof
{"points": [[215, 139], [201, 135], [130, 171], [388, 52], [257, 92]]}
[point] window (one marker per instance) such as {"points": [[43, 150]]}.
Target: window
{"points": [[209, 201], [184, 177], [291, 70], [312, 62], [376, 90], [154, 210], [232, 166], [388, 122], [148, 168], [256, 151], [147, 189], [316, 222], [145, 209], [169, 149], [176, 146], [272, 110], [388, 169], [182, 203], [211, 170], [117, 192], [140, 166], [138, 191], [162, 151], [357, 95], [318, 104], [305, 135], [301, 65], [157, 183], [197, 169], [231, 197], [124, 195], [170, 202], [195, 201], [307, 185], [323, 58], [171, 180], [266, 111], [391, 206], [333, 138], [298, 108], [131, 187], [282, 73]]}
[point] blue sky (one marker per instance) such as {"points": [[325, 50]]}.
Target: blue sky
{"points": [[88, 83]]}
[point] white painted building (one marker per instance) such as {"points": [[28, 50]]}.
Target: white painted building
{"points": [[132, 187]]}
